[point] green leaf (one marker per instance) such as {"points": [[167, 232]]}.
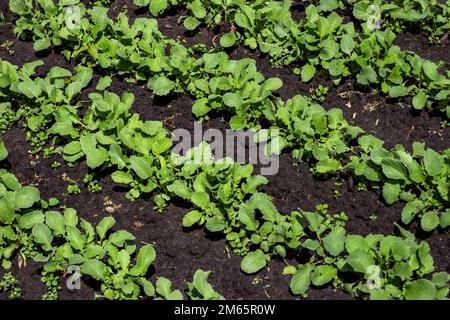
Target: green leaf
{"points": [[70, 217], [430, 221], [72, 148], [311, 244], [254, 261], [148, 287], [242, 20], [354, 242], [123, 258], [420, 290], [272, 84], [3, 151], [200, 107], [141, 166], [104, 225], [347, 44], [94, 268], [360, 261], [420, 100], [157, 7], [307, 72], [161, 146], [367, 76], [301, 280], [440, 279], [104, 83], [430, 69], [434, 163], [164, 289], [327, 165], [328, 5], [100, 18], [394, 169], [145, 258], [247, 218], [398, 91], [26, 197], [191, 23], [197, 8], [201, 199], [97, 157], [83, 77], [181, 189], [142, 3], [76, 239], [215, 224], [161, 85], [323, 274], [237, 123], [232, 100], [10, 181], [410, 210], [263, 203], [334, 242], [445, 219], [201, 289], [329, 49], [192, 218], [19, 6], [29, 220], [43, 235], [228, 39], [58, 72], [41, 44], [122, 177], [391, 192], [120, 237]]}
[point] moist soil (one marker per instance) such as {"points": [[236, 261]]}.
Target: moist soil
{"points": [[180, 251]]}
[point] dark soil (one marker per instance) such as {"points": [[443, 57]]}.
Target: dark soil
{"points": [[180, 252], [419, 43]]}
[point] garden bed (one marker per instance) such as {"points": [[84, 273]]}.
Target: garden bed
{"points": [[181, 251]]}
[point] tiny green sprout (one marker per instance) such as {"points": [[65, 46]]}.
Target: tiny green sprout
{"points": [[320, 93], [341, 216], [11, 285], [361, 186], [93, 184], [51, 281], [49, 152], [102, 2], [373, 217], [337, 194], [160, 201], [199, 48], [8, 45], [95, 187], [88, 178], [56, 165], [322, 208], [73, 189]]}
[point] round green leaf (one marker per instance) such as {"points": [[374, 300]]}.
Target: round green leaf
{"points": [[228, 39], [254, 261], [430, 221], [420, 290]]}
